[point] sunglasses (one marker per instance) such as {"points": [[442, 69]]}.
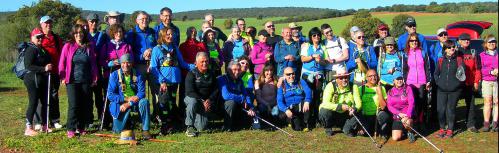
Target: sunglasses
{"points": [[94, 21], [411, 26], [327, 32], [361, 37], [243, 63], [343, 78], [370, 76], [315, 35], [453, 47], [289, 74], [389, 45], [464, 40], [39, 37], [443, 34], [270, 26], [413, 40]]}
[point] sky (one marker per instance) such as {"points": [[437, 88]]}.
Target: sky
{"points": [[153, 6]]}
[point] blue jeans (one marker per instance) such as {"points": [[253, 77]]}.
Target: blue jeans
{"points": [[143, 109]]}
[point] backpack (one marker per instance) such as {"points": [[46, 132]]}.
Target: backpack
{"points": [[336, 94], [169, 57], [440, 61], [18, 67], [122, 82], [382, 58]]}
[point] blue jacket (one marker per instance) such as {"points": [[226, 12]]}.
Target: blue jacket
{"points": [[294, 94], [370, 56], [140, 41], [233, 90], [312, 65], [176, 32], [281, 50], [435, 53], [403, 40], [390, 61], [168, 74], [115, 94]]}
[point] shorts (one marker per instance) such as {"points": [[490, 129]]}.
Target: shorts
{"points": [[489, 89], [397, 125]]}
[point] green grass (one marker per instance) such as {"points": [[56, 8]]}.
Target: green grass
{"points": [[13, 101]]}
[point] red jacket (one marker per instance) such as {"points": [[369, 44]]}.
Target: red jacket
{"points": [[471, 58], [189, 49], [54, 48]]}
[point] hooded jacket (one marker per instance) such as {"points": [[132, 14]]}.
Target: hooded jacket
{"points": [[446, 76]]}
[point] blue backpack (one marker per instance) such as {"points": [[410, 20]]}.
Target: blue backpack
{"points": [[19, 68]]}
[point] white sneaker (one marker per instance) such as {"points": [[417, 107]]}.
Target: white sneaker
{"points": [[57, 126], [38, 127]]}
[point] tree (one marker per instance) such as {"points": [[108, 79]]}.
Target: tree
{"points": [[364, 21], [20, 24], [260, 17], [398, 26], [184, 18], [228, 23]]}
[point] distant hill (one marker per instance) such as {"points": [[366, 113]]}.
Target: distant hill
{"points": [[253, 12]]}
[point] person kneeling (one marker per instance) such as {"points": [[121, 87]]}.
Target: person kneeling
{"points": [[126, 92], [400, 103], [293, 99], [338, 104]]}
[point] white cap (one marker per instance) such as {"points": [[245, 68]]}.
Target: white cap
{"points": [[441, 30]]}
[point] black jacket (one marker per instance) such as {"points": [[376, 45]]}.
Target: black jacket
{"points": [[446, 76], [201, 86], [35, 60]]}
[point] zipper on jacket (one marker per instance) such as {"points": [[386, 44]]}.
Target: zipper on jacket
{"points": [[448, 71]]}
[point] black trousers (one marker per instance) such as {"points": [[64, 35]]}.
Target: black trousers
{"points": [[300, 120], [168, 110], [382, 118], [97, 100], [79, 105], [420, 103], [469, 98], [37, 95], [446, 107]]}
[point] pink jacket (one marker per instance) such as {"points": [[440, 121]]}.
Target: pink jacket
{"points": [[488, 63], [109, 52], [416, 63], [257, 55], [66, 59], [400, 102]]}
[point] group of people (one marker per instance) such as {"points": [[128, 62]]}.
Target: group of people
{"points": [[290, 79]]}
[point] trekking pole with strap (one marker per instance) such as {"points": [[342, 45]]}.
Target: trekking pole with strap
{"points": [[290, 135], [364, 128], [105, 104], [434, 146], [48, 103]]}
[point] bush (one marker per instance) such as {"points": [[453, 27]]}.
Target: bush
{"points": [[364, 21], [398, 24], [228, 23]]}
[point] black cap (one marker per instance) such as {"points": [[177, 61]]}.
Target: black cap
{"points": [[264, 33], [464, 36], [92, 16], [410, 21]]}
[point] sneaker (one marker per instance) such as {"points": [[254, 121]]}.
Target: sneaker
{"points": [[57, 125], [441, 133], [306, 129], [146, 135], [38, 127], [411, 136], [191, 132], [494, 127], [473, 129], [71, 134], [486, 127], [329, 132], [30, 132], [449, 134], [46, 129], [165, 130], [350, 134], [82, 131]]}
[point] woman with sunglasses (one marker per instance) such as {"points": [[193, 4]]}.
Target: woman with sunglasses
{"points": [[449, 88], [78, 70], [400, 103], [236, 46], [489, 70], [417, 73], [382, 32], [37, 62], [390, 62], [262, 52]]}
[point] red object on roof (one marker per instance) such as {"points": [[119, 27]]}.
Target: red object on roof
{"points": [[473, 28]]}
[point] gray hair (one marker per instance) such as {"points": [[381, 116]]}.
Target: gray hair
{"points": [[201, 54], [357, 32], [143, 13], [209, 14], [232, 63]]}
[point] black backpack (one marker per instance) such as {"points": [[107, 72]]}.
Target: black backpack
{"points": [[18, 67]]}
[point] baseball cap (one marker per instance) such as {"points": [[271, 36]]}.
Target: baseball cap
{"points": [[45, 18]]}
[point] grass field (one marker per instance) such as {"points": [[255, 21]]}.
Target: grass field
{"points": [[13, 101], [428, 23]]}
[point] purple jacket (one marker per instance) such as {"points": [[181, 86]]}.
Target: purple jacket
{"points": [[109, 52], [66, 60], [400, 102], [488, 63], [257, 55]]}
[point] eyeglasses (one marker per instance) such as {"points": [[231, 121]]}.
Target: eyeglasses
{"points": [[370, 76], [289, 74], [413, 40], [443, 34], [464, 40], [327, 32], [361, 37], [270, 26]]}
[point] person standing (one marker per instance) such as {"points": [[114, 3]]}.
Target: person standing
{"points": [[262, 53], [165, 17], [235, 47], [210, 19], [336, 51], [489, 70], [410, 27], [382, 32], [273, 38], [286, 53]]}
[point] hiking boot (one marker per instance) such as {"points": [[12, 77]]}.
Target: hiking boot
{"points": [[486, 127], [306, 129], [449, 134], [30, 132], [71, 134], [190, 132], [411, 136], [494, 127], [82, 131], [46, 129], [350, 134], [38, 127], [440, 134], [329, 132], [473, 129], [146, 135], [165, 130], [57, 125]]}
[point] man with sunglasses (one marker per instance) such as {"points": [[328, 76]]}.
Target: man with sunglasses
{"points": [[473, 77], [336, 52], [361, 57], [337, 107], [273, 38], [410, 27], [294, 98]]}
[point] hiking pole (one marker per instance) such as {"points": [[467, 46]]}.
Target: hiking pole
{"points": [[48, 104], [375, 143], [258, 117], [105, 103], [439, 150]]}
